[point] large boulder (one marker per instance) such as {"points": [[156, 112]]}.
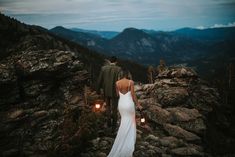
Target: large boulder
{"points": [[40, 91], [177, 131]]}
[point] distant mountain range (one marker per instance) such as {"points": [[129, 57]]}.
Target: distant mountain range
{"points": [[210, 34], [194, 47], [16, 37], [86, 39], [149, 48], [139, 45], [103, 34]]}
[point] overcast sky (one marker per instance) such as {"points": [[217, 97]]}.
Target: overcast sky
{"points": [[119, 14]]}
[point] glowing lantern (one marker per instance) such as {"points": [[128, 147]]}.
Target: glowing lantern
{"points": [[142, 120], [97, 106]]}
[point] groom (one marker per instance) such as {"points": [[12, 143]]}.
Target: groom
{"points": [[108, 76]]}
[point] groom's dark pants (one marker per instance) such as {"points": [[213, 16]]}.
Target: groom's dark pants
{"points": [[111, 111]]}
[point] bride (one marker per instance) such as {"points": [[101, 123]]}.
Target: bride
{"points": [[124, 143]]}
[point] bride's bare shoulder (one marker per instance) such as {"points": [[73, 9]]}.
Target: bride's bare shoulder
{"points": [[117, 82], [132, 82]]}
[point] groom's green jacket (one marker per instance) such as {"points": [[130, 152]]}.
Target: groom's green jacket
{"points": [[109, 74]]}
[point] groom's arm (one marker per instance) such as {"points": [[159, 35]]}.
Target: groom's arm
{"points": [[117, 90], [99, 81]]}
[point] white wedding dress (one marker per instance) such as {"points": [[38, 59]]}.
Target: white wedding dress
{"points": [[124, 143]]}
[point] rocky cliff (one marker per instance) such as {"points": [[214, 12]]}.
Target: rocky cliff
{"points": [[44, 112], [176, 108], [38, 88]]}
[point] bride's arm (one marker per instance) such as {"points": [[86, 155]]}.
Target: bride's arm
{"points": [[134, 95]]}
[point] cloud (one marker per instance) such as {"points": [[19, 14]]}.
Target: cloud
{"points": [[201, 27], [232, 24], [145, 13]]}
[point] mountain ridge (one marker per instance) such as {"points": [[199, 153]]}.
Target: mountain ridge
{"points": [[183, 46], [209, 34], [103, 34]]}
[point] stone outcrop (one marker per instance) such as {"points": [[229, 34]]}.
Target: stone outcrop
{"points": [[176, 108], [45, 110], [41, 99]]}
